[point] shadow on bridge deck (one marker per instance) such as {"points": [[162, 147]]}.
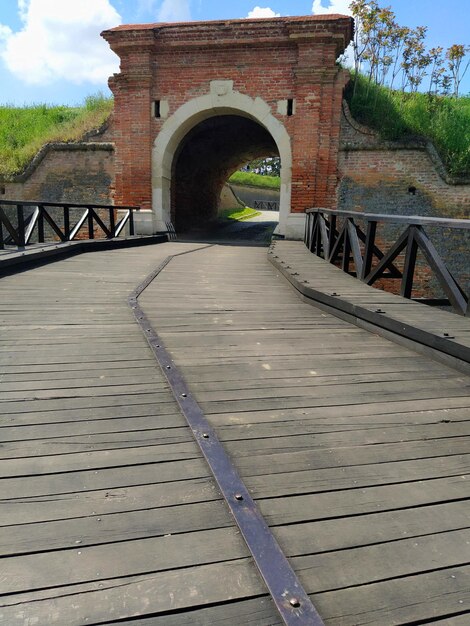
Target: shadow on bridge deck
{"points": [[254, 231]]}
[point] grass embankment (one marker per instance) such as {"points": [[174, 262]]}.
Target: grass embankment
{"points": [[25, 130], [397, 115], [238, 215], [251, 179]]}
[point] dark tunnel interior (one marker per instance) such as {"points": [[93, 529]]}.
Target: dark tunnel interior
{"points": [[206, 158]]}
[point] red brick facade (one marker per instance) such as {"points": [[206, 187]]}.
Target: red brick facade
{"points": [[278, 60]]}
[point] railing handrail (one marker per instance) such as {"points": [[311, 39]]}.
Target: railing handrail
{"points": [[68, 205], [338, 238], [90, 217], [417, 220]]}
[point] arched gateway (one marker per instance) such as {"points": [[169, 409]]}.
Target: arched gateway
{"points": [[195, 101]]}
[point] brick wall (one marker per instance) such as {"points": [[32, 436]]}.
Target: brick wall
{"points": [[273, 59]]}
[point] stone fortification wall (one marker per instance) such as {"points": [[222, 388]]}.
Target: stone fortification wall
{"points": [[67, 172], [409, 178]]}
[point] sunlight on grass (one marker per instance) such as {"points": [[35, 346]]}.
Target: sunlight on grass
{"points": [[23, 131], [255, 180], [396, 115], [239, 215]]}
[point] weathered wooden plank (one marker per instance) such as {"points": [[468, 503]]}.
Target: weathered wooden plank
{"points": [[92, 442], [90, 413], [90, 507], [363, 556], [446, 422], [114, 477], [59, 404], [152, 593], [370, 410], [256, 612], [95, 391], [260, 458], [93, 427]]}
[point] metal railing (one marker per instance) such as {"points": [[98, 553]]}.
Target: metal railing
{"points": [[26, 219], [337, 237]]}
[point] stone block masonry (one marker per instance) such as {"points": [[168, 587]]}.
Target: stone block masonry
{"points": [[66, 172]]}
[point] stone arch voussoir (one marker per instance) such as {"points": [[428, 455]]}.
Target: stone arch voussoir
{"points": [[222, 100]]}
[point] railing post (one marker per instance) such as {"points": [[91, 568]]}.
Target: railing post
{"points": [[346, 248], [406, 286], [41, 224], [67, 222], [112, 222], [331, 234], [20, 219], [2, 241], [131, 222], [91, 233], [369, 249]]}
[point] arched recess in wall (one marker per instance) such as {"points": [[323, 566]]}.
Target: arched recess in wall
{"points": [[221, 101]]}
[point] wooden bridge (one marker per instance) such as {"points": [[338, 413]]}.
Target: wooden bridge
{"points": [[197, 433]]}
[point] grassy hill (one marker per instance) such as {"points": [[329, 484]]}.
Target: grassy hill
{"points": [[396, 115], [251, 179], [24, 130]]}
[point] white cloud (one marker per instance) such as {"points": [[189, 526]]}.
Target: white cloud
{"points": [[260, 12], [146, 6], [61, 41], [5, 34], [175, 11], [332, 6]]}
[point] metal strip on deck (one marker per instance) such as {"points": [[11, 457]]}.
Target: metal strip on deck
{"points": [[290, 598]]}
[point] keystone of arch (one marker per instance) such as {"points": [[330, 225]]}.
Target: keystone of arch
{"points": [[222, 100]]}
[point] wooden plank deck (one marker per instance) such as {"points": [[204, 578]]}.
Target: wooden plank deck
{"points": [[327, 284], [354, 448]]}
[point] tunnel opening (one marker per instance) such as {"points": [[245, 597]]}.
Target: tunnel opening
{"points": [[204, 161]]}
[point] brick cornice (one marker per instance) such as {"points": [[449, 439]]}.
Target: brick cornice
{"points": [[316, 75], [337, 29]]}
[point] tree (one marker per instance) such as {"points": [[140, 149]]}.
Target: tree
{"points": [[415, 59], [455, 56], [385, 51], [437, 71]]}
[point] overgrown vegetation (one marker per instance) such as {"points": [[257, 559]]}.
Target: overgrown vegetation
{"points": [[24, 130], [391, 64], [400, 115], [238, 214], [388, 53], [255, 180]]}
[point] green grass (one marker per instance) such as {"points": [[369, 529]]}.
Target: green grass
{"points": [[239, 214], [396, 115], [255, 180], [23, 131]]}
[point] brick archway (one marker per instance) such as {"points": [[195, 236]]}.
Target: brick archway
{"points": [[221, 101], [279, 72]]}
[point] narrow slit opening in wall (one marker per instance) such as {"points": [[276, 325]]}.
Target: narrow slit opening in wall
{"points": [[2, 191], [157, 111], [290, 107]]}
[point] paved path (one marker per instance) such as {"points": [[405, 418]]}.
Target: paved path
{"points": [[354, 448]]}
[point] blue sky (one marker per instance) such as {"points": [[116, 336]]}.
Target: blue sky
{"points": [[51, 51]]}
